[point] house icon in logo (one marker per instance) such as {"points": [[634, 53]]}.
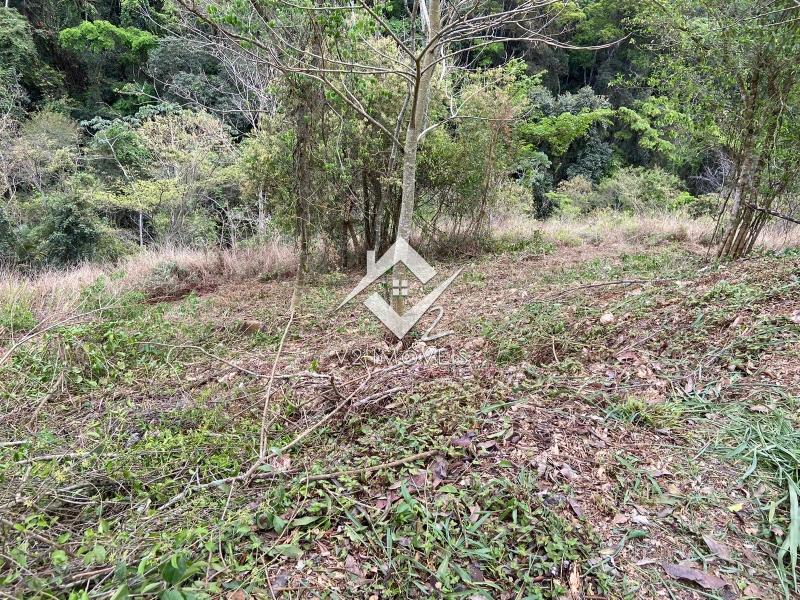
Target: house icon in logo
{"points": [[400, 252]]}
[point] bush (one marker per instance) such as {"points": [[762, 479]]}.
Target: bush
{"points": [[8, 252], [640, 190], [705, 205], [572, 196], [16, 315], [66, 235], [632, 189]]}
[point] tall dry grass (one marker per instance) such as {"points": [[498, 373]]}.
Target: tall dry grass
{"points": [[608, 227], [55, 294]]}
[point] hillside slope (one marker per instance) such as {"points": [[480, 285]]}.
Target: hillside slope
{"points": [[605, 420]]}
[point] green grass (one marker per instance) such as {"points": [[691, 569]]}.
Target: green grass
{"points": [[132, 432], [537, 332]]}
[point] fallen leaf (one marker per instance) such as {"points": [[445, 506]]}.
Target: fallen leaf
{"points": [[281, 580], [474, 513], [576, 508], [718, 548], [288, 550], [568, 472], [705, 580], [619, 519], [735, 508], [418, 481], [575, 582], [475, 572], [439, 468], [753, 591], [352, 566], [665, 512], [646, 561], [659, 473]]}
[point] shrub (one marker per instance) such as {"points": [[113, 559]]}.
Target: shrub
{"points": [[7, 240], [66, 235], [16, 315], [704, 205], [641, 190], [571, 197]]}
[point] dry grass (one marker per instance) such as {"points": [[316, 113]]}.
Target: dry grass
{"points": [[55, 294], [614, 227], [169, 271], [609, 227], [779, 235]]}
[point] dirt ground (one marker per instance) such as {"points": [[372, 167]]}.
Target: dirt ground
{"points": [[592, 425]]}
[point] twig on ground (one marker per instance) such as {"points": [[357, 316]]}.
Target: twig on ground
{"points": [[606, 283], [273, 475], [299, 438], [379, 396], [234, 366], [363, 471], [262, 449], [35, 536]]}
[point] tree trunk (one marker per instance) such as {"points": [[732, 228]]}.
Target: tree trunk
{"points": [[141, 229], [308, 113], [742, 193], [261, 224], [416, 124], [419, 114]]}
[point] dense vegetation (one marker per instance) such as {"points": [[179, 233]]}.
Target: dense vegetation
{"points": [[138, 123], [598, 406]]}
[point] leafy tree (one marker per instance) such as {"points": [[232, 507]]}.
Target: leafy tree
{"points": [[66, 234], [101, 37], [732, 68]]}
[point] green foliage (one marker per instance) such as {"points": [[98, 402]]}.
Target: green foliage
{"points": [[634, 189], [16, 316], [561, 131], [66, 235], [101, 36], [572, 197], [17, 48], [655, 415], [641, 191], [7, 240], [534, 334]]}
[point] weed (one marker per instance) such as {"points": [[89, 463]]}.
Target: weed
{"points": [[537, 333], [656, 415], [16, 316]]}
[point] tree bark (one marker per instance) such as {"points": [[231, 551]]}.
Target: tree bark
{"points": [[141, 229], [261, 224], [416, 124], [310, 102], [419, 114]]}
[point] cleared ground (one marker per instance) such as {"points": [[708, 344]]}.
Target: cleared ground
{"points": [[608, 418]]}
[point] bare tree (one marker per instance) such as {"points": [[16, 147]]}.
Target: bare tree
{"points": [[294, 38]]}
